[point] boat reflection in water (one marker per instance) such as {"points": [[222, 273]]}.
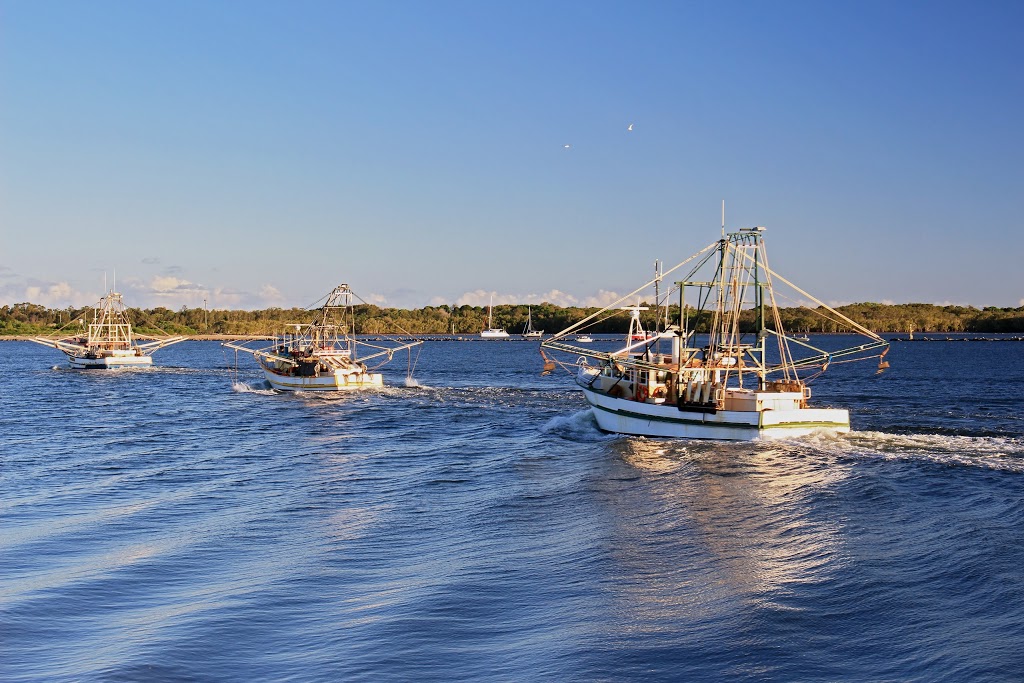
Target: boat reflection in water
{"points": [[707, 533]]}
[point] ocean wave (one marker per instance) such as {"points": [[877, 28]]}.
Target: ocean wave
{"points": [[256, 387], [995, 452], [580, 426]]}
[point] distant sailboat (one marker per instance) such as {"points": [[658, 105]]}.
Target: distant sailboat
{"points": [[492, 332], [528, 331]]}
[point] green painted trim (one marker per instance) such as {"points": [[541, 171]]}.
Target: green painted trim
{"points": [[805, 425], [732, 425], [673, 420]]}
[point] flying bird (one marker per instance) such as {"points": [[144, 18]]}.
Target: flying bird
{"points": [[567, 146], [630, 127]]}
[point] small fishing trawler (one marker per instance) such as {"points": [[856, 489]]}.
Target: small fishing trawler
{"points": [[729, 372], [322, 355], [108, 341]]}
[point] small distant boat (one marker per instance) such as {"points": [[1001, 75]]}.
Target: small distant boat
{"points": [[528, 331], [584, 339], [802, 337], [108, 341], [732, 384], [321, 356], [492, 332]]}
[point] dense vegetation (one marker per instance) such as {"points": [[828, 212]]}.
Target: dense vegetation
{"points": [[32, 319]]}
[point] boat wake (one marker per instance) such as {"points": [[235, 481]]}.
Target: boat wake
{"points": [[579, 426], [995, 452], [413, 383], [259, 387]]}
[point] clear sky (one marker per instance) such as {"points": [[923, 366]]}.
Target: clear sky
{"points": [[256, 154]]}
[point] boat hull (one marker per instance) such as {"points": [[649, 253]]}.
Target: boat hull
{"points": [[336, 381], [109, 362], [625, 416]]}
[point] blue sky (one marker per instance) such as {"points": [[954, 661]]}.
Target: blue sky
{"points": [[256, 154]]}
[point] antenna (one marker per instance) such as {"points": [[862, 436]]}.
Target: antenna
{"points": [[723, 218]]}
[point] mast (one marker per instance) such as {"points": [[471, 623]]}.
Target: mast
{"points": [[759, 325], [657, 297]]}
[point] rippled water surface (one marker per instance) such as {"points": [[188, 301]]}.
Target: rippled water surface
{"points": [[184, 523]]}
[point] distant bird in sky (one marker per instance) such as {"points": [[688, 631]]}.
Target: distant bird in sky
{"points": [[630, 127], [567, 146]]}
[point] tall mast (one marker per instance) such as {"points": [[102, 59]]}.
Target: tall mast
{"points": [[759, 305], [657, 297]]}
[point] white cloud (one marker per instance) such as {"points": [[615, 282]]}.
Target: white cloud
{"points": [[271, 295], [56, 295], [481, 297], [602, 298], [164, 290]]}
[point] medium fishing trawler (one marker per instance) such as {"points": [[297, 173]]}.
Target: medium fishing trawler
{"points": [[729, 371], [321, 356], [108, 341]]}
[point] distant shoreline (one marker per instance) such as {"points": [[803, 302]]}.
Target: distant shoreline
{"points": [[889, 336]]}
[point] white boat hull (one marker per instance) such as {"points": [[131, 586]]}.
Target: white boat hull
{"points": [[109, 362], [494, 334], [625, 416], [339, 380]]}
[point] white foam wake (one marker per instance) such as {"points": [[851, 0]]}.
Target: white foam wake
{"points": [[997, 452], [580, 426], [260, 387]]}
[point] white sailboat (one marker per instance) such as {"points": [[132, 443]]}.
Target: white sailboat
{"points": [[528, 331], [492, 332], [322, 355], [719, 378], [108, 341]]}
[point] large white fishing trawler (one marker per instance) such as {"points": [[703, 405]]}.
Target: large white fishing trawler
{"points": [[108, 340], [322, 355], [729, 370]]}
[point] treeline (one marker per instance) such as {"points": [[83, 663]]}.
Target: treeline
{"points": [[32, 319]]}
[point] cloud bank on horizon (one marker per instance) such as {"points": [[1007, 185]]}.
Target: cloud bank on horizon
{"points": [[174, 293]]}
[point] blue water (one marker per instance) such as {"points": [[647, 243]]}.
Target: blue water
{"points": [[180, 523]]}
